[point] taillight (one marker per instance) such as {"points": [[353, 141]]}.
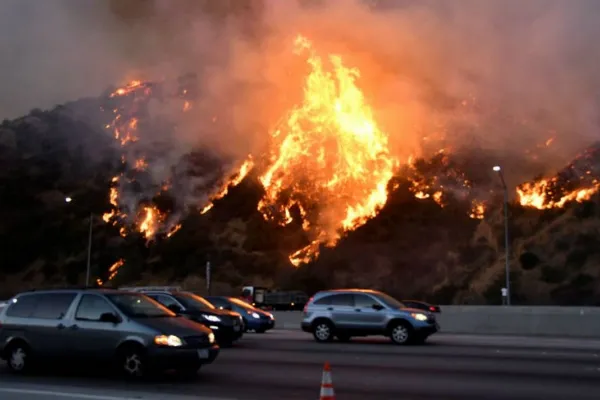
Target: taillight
{"points": [[306, 305], [432, 308]]}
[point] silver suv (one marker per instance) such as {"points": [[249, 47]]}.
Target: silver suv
{"points": [[358, 312], [90, 326]]}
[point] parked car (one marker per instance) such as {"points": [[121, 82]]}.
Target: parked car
{"points": [[421, 305], [254, 319], [130, 331], [227, 325], [360, 312]]}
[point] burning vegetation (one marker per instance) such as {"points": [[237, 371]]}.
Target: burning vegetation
{"points": [[328, 167]]}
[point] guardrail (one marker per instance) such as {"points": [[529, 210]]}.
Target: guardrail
{"points": [[582, 322]]}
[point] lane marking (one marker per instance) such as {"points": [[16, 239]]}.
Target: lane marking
{"points": [[75, 395]]}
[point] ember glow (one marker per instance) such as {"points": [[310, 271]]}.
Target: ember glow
{"points": [[328, 154], [113, 270], [540, 194]]}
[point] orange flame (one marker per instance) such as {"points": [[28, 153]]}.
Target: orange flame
{"points": [[112, 272], [235, 180], [539, 194], [330, 153]]}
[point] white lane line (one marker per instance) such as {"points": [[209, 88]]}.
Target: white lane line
{"points": [[74, 395]]}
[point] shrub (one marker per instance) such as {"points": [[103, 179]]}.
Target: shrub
{"points": [[553, 275], [529, 260]]}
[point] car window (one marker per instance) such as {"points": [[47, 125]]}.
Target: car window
{"points": [[137, 305], [218, 302], [243, 304], [22, 306], [389, 301], [53, 305], [91, 307], [193, 301], [323, 301], [363, 301], [165, 300], [409, 304], [342, 300]]}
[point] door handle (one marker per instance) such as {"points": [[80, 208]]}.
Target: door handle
{"points": [[60, 326], [357, 309], [74, 327], [330, 308]]}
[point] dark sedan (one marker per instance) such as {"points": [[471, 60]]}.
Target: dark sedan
{"points": [[255, 319]]}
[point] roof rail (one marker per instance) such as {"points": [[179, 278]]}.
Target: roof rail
{"points": [[152, 289], [62, 288]]}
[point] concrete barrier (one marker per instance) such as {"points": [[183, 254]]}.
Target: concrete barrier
{"points": [[582, 322]]}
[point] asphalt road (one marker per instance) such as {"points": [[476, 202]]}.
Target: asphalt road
{"points": [[288, 365]]}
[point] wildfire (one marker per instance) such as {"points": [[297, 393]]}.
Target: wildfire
{"points": [[235, 180], [112, 272], [329, 155], [541, 194]]}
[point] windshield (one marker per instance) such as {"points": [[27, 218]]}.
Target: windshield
{"points": [[136, 305], [389, 301], [243, 304], [194, 302]]}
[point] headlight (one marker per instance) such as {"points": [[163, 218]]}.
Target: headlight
{"points": [[170, 340], [211, 338], [419, 317], [255, 315], [211, 318]]}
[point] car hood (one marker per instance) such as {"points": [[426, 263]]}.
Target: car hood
{"points": [[216, 311], [178, 326]]}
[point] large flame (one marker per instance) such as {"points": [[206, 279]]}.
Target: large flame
{"points": [[329, 156]]}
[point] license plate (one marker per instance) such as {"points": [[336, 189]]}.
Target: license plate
{"points": [[203, 354]]}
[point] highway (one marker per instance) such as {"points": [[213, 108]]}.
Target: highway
{"points": [[286, 364]]}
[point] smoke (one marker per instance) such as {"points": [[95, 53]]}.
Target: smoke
{"points": [[499, 76]]}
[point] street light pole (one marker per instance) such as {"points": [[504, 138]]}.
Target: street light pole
{"points": [[89, 252], [89, 247], [506, 234]]}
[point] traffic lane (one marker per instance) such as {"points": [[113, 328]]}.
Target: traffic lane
{"points": [[57, 392], [288, 365]]}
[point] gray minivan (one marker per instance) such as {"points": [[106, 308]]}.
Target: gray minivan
{"points": [[344, 313], [131, 331]]}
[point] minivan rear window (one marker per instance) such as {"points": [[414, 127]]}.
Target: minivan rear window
{"points": [[22, 306]]}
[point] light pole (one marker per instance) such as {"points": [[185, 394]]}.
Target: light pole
{"points": [[506, 238], [89, 247]]}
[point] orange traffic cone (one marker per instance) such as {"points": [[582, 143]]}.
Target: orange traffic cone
{"points": [[326, 384]]}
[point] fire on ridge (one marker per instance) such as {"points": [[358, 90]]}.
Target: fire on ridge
{"points": [[328, 159]]}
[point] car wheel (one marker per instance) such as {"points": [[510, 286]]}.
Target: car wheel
{"points": [[132, 362], [344, 338], [401, 333], [19, 358], [323, 331]]}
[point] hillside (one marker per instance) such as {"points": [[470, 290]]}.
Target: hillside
{"points": [[412, 248]]}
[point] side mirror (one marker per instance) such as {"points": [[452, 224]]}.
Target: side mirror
{"points": [[175, 308], [377, 307], [110, 318]]}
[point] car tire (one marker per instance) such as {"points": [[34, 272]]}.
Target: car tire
{"points": [[401, 333], [18, 358], [323, 331], [132, 362]]}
